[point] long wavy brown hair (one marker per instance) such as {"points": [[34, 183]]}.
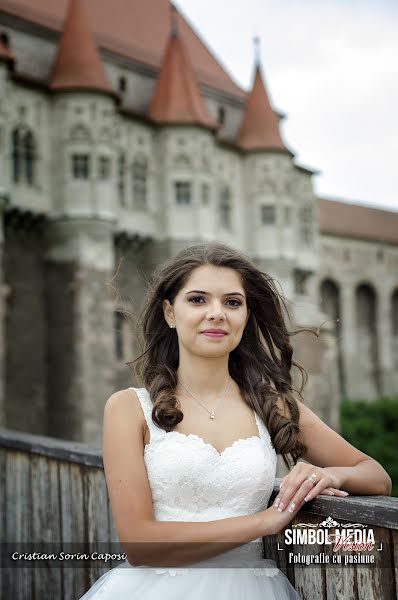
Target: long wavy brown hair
{"points": [[260, 364]]}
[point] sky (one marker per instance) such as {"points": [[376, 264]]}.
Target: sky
{"points": [[332, 67]]}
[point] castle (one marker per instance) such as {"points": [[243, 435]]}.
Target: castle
{"points": [[123, 140]]}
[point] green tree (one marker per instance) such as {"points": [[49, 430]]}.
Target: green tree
{"points": [[372, 426]]}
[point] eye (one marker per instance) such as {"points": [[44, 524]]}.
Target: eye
{"points": [[234, 300], [238, 302], [195, 298]]}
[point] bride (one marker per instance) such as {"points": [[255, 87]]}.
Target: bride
{"points": [[190, 457]]}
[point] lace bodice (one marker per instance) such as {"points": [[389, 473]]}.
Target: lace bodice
{"points": [[191, 481]]}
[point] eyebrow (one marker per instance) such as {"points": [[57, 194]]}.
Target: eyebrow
{"points": [[207, 293]]}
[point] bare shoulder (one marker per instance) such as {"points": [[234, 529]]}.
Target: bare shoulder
{"points": [[126, 404]]}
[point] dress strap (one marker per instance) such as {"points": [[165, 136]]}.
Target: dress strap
{"points": [[146, 405]]}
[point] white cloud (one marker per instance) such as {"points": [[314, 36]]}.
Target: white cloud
{"points": [[332, 67]]}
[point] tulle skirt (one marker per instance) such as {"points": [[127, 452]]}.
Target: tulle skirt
{"points": [[239, 574]]}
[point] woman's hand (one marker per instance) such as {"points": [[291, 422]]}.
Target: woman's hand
{"points": [[295, 488]]}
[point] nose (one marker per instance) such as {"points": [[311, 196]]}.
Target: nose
{"points": [[216, 311]]}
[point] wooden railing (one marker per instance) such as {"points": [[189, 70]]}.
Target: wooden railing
{"points": [[54, 498]]}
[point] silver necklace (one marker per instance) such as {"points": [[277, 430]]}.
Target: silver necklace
{"points": [[211, 412]]}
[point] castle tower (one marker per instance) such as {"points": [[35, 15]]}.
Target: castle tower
{"points": [[184, 128], [283, 238], [80, 249], [268, 177]]}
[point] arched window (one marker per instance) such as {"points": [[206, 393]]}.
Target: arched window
{"points": [[122, 84], [5, 39], [394, 326], [225, 207], [16, 155], [23, 155], [30, 155], [140, 175], [330, 303], [367, 335]]}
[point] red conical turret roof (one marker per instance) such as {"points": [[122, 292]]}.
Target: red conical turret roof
{"points": [[5, 52], [77, 64], [260, 125], [177, 98]]}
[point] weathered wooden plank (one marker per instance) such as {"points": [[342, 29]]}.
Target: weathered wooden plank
{"points": [[54, 571], [78, 518], [97, 518], [340, 583], [23, 511], [3, 508], [11, 527], [6, 573], [66, 526], [40, 490], [64, 450], [309, 580], [377, 581], [379, 511], [394, 553], [341, 580]]}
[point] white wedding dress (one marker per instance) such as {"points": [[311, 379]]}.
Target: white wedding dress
{"points": [[191, 481]]}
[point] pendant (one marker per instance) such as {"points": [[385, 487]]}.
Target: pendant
{"points": [[212, 415]]}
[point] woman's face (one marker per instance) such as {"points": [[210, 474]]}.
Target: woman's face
{"points": [[212, 298]]}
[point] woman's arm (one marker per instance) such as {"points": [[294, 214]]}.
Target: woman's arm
{"points": [[366, 477], [177, 543], [342, 463]]}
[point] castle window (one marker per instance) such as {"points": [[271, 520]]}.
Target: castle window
{"points": [[80, 166], [225, 207], [23, 155], [140, 172], [30, 156], [121, 168], [267, 214], [221, 115], [288, 215], [104, 167], [182, 191], [306, 234], [306, 218], [5, 39], [300, 277], [122, 84], [16, 155], [205, 194], [306, 214]]}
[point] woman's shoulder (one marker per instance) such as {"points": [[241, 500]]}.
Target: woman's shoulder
{"points": [[125, 403]]}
